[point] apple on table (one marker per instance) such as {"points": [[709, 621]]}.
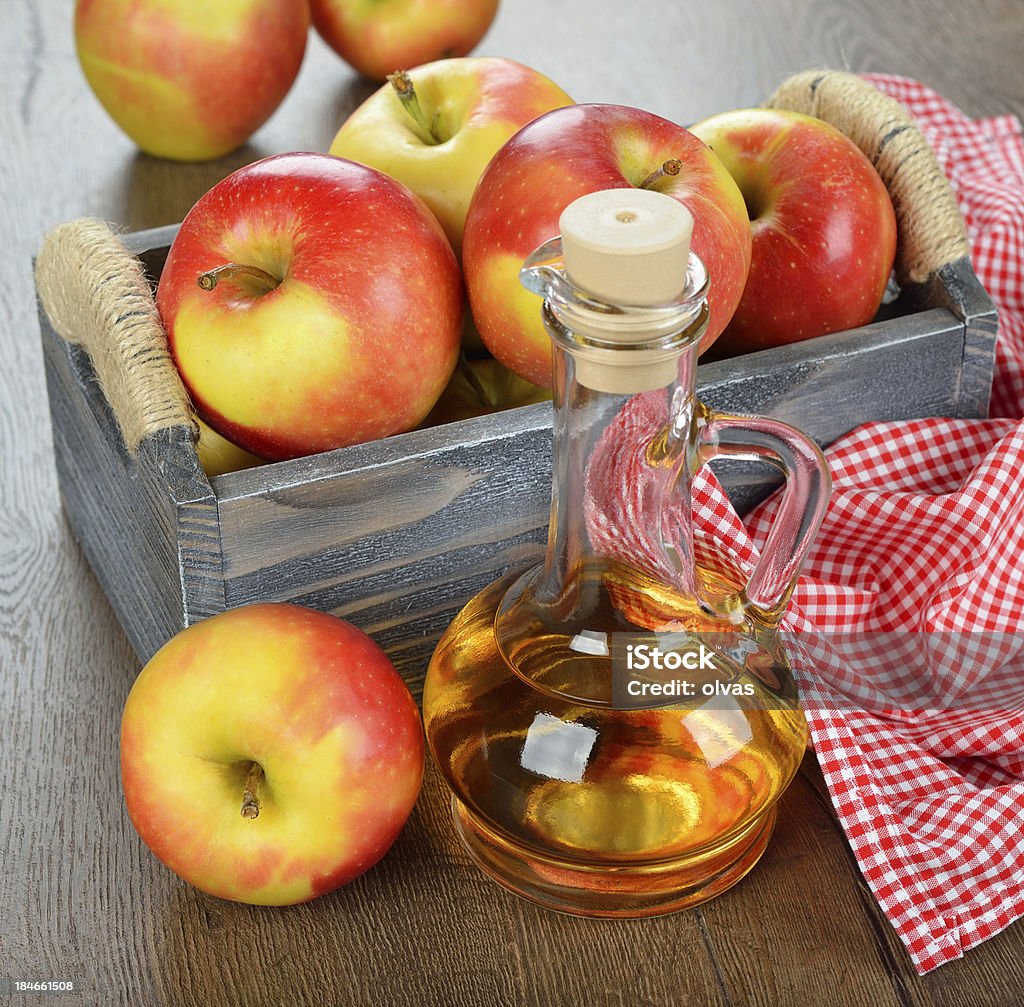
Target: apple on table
{"points": [[311, 303], [190, 80], [379, 38], [270, 754], [822, 223], [436, 127], [568, 153]]}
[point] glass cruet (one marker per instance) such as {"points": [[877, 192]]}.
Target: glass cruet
{"points": [[566, 788]]}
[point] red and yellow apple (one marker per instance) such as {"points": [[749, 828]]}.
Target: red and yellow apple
{"points": [[311, 303], [188, 79], [436, 128], [566, 154], [824, 232], [270, 754], [378, 38]]}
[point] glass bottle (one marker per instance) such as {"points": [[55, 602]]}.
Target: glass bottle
{"points": [[565, 788]]}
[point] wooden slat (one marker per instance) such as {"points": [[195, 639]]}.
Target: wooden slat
{"points": [[891, 370], [957, 288], [123, 509], [422, 493]]}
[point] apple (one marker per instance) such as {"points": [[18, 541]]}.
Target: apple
{"points": [[311, 303], [218, 455], [824, 231], [568, 153], [270, 754], [437, 128], [379, 38], [481, 387], [187, 79]]}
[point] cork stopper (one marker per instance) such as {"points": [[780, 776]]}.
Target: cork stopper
{"points": [[627, 247]]}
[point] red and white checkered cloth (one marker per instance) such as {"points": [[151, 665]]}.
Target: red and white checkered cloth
{"points": [[925, 533], [907, 624]]}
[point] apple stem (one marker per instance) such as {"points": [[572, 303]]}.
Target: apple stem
{"points": [[406, 91], [250, 799], [671, 167], [235, 270], [474, 382]]}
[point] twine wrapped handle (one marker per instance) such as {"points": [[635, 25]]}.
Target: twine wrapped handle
{"points": [[930, 230], [96, 295]]}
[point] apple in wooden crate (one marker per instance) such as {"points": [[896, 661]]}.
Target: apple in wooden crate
{"points": [[824, 231], [379, 38], [437, 127], [218, 455], [568, 153], [270, 754], [187, 79], [311, 303], [481, 387]]}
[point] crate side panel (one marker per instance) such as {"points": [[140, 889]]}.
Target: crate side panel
{"points": [[397, 549], [413, 519], [309, 534], [899, 370], [957, 287], [120, 511]]}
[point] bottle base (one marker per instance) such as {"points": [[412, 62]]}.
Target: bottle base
{"points": [[621, 891]]}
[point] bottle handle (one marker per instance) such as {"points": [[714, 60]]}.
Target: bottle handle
{"points": [[804, 501]]}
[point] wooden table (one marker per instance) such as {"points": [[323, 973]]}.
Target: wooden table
{"points": [[81, 898]]}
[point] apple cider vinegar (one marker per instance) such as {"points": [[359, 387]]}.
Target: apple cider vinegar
{"points": [[576, 781], [592, 809]]}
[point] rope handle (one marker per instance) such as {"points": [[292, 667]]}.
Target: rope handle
{"points": [[96, 295], [930, 230]]}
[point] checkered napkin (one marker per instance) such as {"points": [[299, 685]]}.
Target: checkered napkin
{"points": [[921, 556]]}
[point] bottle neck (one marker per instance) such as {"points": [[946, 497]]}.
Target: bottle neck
{"points": [[620, 555], [606, 446]]}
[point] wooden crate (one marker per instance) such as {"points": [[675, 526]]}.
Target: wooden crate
{"points": [[398, 534]]}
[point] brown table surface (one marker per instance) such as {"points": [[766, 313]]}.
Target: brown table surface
{"points": [[81, 897]]}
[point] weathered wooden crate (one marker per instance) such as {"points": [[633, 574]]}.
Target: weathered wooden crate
{"points": [[396, 535]]}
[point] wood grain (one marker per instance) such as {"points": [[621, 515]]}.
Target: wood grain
{"points": [[81, 897]]}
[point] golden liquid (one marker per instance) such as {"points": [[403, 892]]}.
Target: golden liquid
{"points": [[572, 778]]}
